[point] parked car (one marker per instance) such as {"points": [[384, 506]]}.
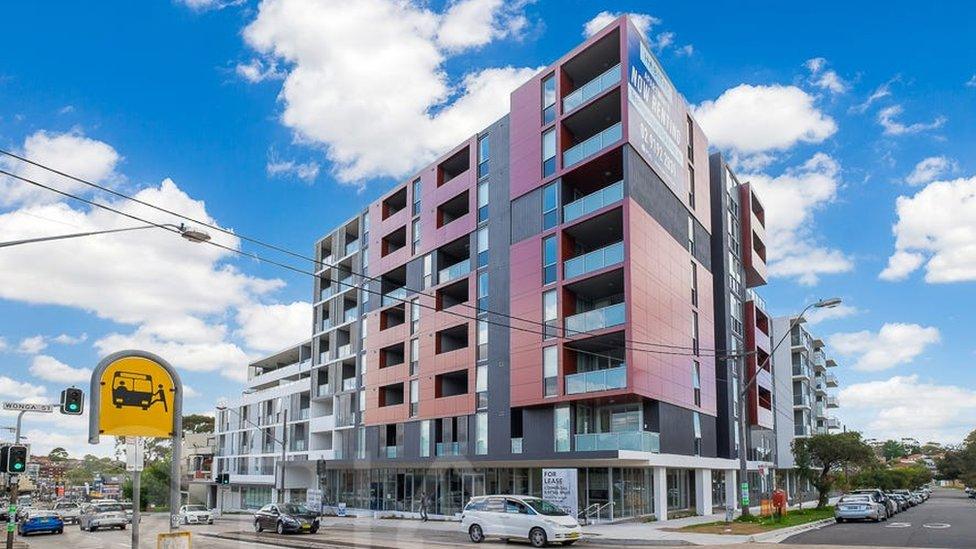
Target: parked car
{"points": [[102, 515], [860, 507], [38, 521], [519, 517], [195, 514], [286, 518], [68, 510], [912, 500], [891, 507], [901, 500]]}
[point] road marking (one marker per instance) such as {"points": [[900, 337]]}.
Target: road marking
{"points": [[936, 525], [899, 525]]}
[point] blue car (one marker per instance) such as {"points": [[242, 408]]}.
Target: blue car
{"points": [[40, 521]]}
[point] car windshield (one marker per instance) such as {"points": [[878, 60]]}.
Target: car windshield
{"points": [[543, 507], [66, 506], [293, 509], [108, 508], [849, 499], [192, 508]]}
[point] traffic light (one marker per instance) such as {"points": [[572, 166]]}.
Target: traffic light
{"points": [[72, 401], [13, 458], [223, 478]]}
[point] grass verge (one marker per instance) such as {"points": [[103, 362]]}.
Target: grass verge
{"points": [[756, 525]]}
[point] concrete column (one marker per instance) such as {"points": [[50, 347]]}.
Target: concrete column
{"points": [[731, 489], [661, 493], [703, 491]]}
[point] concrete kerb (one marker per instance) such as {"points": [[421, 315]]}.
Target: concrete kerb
{"points": [[780, 534]]}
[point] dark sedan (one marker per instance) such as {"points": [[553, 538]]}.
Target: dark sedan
{"points": [[286, 518]]}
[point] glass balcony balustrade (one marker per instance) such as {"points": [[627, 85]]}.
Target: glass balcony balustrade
{"points": [[592, 145], [459, 269], [639, 441], [597, 319], [349, 384], [447, 449], [517, 445], [594, 261], [593, 201], [394, 297], [597, 380], [390, 451], [592, 88]]}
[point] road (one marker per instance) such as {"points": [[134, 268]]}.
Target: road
{"points": [[946, 520]]}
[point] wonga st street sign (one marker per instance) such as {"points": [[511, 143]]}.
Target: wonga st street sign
{"points": [[27, 407]]}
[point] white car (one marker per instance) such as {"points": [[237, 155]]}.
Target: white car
{"points": [[68, 510], [519, 517], [195, 514]]}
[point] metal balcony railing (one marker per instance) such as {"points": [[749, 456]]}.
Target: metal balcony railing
{"points": [[592, 145], [593, 201], [592, 88], [594, 261], [597, 380]]}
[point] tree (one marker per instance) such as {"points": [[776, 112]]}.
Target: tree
{"points": [[892, 449], [198, 423], [154, 485], [58, 454], [827, 453]]}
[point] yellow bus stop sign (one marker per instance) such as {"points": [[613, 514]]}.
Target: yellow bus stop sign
{"points": [[136, 398]]}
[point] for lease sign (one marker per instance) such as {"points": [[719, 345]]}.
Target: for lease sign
{"points": [[559, 487]]}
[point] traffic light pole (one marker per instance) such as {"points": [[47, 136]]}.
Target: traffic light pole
{"points": [[12, 491]]}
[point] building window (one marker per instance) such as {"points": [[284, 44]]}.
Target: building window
{"points": [[484, 154], [696, 381], [698, 436], [482, 201], [691, 139], [414, 356], [550, 206], [481, 433], [561, 427], [694, 283], [548, 99], [691, 186], [481, 385], [549, 153], [482, 291], [694, 332], [414, 315], [550, 313], [550, 370], [361, 443], [425, 438], [549, 260], [416, 197], [415, 231], [482, 247], [691, 234], [428, 271], [735, 306], [414, 397], [482, 340]]}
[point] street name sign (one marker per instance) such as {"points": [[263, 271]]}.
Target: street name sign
{"points": [[28, 407]]}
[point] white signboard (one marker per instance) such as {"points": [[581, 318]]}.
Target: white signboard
{"points": [[559, 487], [27, 407], [313, 499], [134, 458]]}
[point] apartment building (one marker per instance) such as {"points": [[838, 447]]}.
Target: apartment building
{"points": [[803, 379], [542, 296]]}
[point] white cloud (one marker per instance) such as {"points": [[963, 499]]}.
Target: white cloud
{"points": [[895, 343], [19, 390], [358, 94], [751, 119], [273, 327], [882, 91], [256, 70], [32, 345], [887, 118], [190, 392], [66, 339], [209, 5], [936, 228], [790, 201], [4, 346], [905, 405], [971, 83], [51, 369], [642, 21], [220, 356], [306, 171], [70, 152], [686, 51], [826, 79], [928, 169], [818, 315]]}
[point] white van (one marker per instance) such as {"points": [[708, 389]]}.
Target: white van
{"points": [[519, 517]]}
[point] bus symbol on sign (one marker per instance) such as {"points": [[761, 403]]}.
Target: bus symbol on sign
{"points": [[137, 390]]}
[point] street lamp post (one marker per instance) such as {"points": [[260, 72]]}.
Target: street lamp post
{"points": [[284, 437], [192, 235], [744, 390]]}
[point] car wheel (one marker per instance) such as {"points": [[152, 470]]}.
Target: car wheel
{"points": [[839, 520], [122, 527], [280, 528], [92, 528], [313, 529], [570, 542], [59, 531], [476, 534], [258, 527], [537, 537]]}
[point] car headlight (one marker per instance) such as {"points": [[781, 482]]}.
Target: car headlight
{"points": [[289, 520]]}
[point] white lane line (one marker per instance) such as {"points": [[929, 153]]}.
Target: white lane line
{"points": [[936, 525]]}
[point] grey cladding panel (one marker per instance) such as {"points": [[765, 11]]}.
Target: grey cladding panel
{"points": [[527, 215]]}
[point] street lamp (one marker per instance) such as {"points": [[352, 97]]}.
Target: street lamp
{"points": [[744, 390], [282, 442], [192, 235]]}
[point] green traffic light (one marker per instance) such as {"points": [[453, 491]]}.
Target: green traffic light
{"points": [[72, 407], [18, 466]]}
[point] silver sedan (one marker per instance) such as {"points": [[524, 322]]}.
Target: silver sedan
{"points": [[859, 507]]}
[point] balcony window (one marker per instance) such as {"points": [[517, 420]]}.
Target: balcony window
{"points": [[482, 201], [481, 433], [452, 209], [428, 271], [414, 315], [414, 397], [696, 381], [550, 206], [482, 284], [694, 283], [691, 187], [415, 236], [550, 314], [548, 99], [394, 203], [425, 438], [451, 384], [548, 153], [482, 247], [561, 428], [484, 154], [549, 258], [414, 356], [696, 420], [691, 234], [481, 385], [416, 191], [453, 166], [482, 329], [694, 333], [550, 371]]}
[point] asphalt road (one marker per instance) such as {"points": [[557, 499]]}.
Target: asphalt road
{"points": [[946, 520]]}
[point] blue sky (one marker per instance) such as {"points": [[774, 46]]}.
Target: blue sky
{"points": [[280, 119]]}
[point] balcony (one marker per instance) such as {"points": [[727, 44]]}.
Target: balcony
{"points": [[801, 431], [349, 384], [447, 449], [833, 423], [597, 319], [517, 445], [832, 402], [459, 269], [802, 371], [394, 297], [352, 247], [597, 380], [389, 452], [592, 145], [831, 380], [638, 441], [594, 261], [592, 89], [593, 201], [801, 401]]}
